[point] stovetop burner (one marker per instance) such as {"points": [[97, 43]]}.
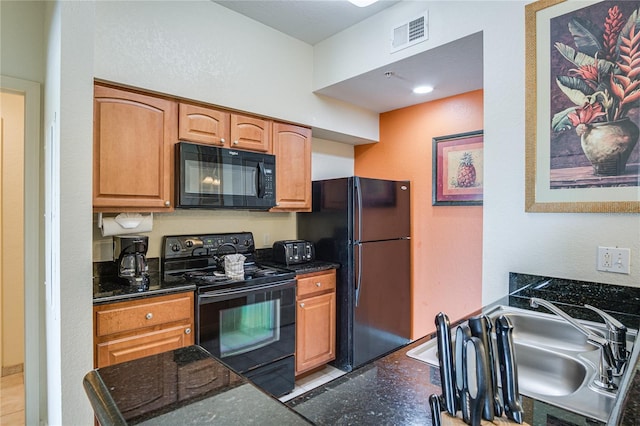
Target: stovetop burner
{"points": [[197, 259], [206, 277]]}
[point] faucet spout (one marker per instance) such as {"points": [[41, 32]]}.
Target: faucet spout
{"points": [[535, 302], [613, 353]]}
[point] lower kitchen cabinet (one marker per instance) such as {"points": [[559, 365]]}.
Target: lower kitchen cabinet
{"points": [[124, 331], [315, 320]]}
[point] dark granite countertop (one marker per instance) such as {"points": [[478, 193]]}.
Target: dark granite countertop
{"points": [[265, 256], [392, 390], [395, 390], [181, 387], [108, 289]]}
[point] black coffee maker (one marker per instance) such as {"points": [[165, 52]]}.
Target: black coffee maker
{"points": [[129, 252]]}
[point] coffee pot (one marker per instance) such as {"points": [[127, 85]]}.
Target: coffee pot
{"points": [[129, 252]]}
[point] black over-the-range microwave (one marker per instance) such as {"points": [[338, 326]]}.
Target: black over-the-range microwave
{"points": [[209, 177]]}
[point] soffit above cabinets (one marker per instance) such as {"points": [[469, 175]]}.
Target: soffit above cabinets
{"points": [[452, 68]]}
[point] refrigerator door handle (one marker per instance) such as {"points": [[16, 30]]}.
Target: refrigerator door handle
{"points": [[359, 272], [358, 208]]}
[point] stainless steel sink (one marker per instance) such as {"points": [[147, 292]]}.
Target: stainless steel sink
{"points": [[555, 362], [546, 372], [539, 331]]}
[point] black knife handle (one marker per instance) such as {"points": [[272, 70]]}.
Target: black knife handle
{"points": [[479, 326], [497, 404], [434, 403], [462, 335], [508, 369], [445, 358], [477, 379]]}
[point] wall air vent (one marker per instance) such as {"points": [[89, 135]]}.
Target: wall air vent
{"points": [[411, 32]]}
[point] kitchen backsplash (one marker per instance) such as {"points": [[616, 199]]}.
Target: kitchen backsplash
{"points": [[267, 227]]}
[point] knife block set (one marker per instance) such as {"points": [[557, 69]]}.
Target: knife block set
{"points": [[468, 371]]}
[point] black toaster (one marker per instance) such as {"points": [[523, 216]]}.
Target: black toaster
{"points": [[292, 252]]}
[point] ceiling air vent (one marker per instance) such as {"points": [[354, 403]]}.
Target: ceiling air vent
{"points": [[410, 33]]}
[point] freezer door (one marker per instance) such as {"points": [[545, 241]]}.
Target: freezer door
{"points": [[381, 209], [382, 308]]}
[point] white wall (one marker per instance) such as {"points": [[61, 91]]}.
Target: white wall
{"points": [[203, 51], [69, 132], [331, 159], [554, 244], [146, 45]]}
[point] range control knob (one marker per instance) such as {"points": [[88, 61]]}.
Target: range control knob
{"points": [[189, 243], [247, 242], [175, 247], [234, 240]]}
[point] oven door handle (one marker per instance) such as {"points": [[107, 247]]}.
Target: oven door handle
{"points": [[243, 290]]}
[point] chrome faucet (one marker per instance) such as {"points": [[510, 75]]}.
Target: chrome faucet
{"points": [[613, 349]]}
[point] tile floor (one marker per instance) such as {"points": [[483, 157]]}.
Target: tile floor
{"points": [[12, 393], [12, 400], [312, 381]]}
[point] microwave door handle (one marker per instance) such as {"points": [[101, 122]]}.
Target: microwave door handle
{"points": [[260, 180]]}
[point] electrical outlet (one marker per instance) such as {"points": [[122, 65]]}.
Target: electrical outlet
{"points": [[614, 259], [266, 240]]}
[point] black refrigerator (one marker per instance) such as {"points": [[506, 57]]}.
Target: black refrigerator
{"points": [[364, 225]]}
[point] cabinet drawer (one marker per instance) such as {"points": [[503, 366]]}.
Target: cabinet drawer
{"points": [[316, 283], [129, 316], [151, 343]]}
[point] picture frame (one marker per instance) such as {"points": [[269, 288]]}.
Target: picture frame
{"points": [[560, 175], [458, 163]]}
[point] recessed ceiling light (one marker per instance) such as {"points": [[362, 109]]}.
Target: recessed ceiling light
{"points": [[362, 3], [422, 90]]}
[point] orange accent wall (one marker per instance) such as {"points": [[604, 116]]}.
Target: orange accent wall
{"points": [[446, 240]]}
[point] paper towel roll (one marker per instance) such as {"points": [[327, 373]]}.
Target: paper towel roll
{"points": [[125, 223]]}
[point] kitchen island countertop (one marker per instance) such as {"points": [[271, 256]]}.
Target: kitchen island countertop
{"points": [[393, 389]]}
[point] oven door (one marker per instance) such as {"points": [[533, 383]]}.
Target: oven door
{"points": [[212, 177], [248, 327]]}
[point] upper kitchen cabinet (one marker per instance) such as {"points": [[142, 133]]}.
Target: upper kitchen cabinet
{"points": [[292, 148], [203, 125], [133, 139], [251, 133]]}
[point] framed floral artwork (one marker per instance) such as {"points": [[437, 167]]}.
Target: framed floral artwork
{"points": [[582, 106], [457, 169]]}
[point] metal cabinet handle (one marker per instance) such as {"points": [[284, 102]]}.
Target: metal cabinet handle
{"points": [[187, 331], [235, 142], [167, 203], [318, 284], [222, 141], [302, 305], [149, 316]]}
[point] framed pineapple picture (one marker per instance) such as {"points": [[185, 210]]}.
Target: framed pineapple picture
{"points": [[457, 169]]}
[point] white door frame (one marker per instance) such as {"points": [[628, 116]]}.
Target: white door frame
{"points": [[35, 352]]}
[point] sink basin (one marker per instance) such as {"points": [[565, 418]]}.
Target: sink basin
{"points": [[548, 331], [548, 373], [556, 363]]}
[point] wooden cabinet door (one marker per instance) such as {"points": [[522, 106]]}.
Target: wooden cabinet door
{"points": [[144, 344], [203, 125], [292, 148], [315, 331], [133, 138], [250, 133]]}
